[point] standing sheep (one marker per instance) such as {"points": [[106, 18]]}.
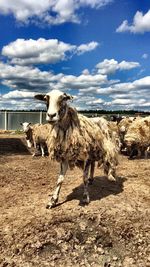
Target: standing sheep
{"points": [[36, 135], [123, 127], [138, 136], [72, 139]]}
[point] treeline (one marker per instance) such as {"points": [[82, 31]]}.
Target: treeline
{"points": [[98, 112], [117, 112]]}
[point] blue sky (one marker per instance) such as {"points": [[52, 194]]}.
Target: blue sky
{"points": [[96, 50]]}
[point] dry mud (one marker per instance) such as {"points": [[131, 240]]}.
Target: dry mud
{"points": [[112, 231]]}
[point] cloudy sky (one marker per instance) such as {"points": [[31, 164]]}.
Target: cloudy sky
{"points": [[96, 50]]}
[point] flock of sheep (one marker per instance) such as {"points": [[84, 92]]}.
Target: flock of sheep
{"points": [[75, 140]]}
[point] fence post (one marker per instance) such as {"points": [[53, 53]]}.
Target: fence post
{"points": [[6, 121], [41, 117]]}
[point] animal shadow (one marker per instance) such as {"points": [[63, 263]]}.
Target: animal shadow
{"points": [[100, 188]]}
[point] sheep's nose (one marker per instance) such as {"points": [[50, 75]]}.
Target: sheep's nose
{"points": [[51, 116]]}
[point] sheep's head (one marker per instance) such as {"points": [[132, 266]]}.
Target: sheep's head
{"points": [[130, 141], [25, 126], [56, 102]]}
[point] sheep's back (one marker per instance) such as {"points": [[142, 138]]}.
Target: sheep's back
{"points": [[41, 132], [139, 132]]}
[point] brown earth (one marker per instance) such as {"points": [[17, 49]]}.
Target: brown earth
{"points": [[112, 231]]}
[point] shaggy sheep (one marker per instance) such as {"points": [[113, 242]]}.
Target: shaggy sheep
{"points": [[138, 137], [36, 136], [123, 126], [73, 140]]}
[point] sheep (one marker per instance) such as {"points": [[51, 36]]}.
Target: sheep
{"points": [[36, 136], [73, 140], [138, 137], [123, 126]]}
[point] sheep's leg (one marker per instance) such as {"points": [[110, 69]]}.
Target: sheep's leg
{"points": [[146, 154], [139, 153], [111, 174], [54, 199], [109, 171], [86, 198], [34, 145], [100, 162], [91, 178], [42, 150]]}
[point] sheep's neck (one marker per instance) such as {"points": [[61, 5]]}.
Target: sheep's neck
{"points": [[65, 123], [29, 135]]}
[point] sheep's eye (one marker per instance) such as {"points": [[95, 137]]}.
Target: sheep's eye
{"points": [[47, 98], [61, 100]]}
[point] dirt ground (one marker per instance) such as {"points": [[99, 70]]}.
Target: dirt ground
{"points": [[112, 231]]}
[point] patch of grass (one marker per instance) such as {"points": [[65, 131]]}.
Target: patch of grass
{"points": [[18, 131]]}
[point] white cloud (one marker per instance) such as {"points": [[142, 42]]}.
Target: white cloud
{"points": [[145, 56], [18, 94], [137, 86], [83, 81], [141, 24], [92, 90], [23, 9], [25, 52], [33, 79], [86, 47], [109, 66], [95, 102], [27, 78], [133, 103], [143, 83], [147, 104], [24, 104], [125, 65], [85, 72], [95, 3], [31, 51], [51, 12], [121, 101]]}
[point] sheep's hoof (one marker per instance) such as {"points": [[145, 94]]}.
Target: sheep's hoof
{"points": [[85, 200], [52, 203], [90, 181], [111, 178]]}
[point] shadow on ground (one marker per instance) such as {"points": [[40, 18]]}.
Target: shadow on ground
{"points": [[13, 146], [100, 188]]}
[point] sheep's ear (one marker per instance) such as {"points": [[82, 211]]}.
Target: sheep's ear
{"points": [[21, 123], [68, 97], [40, 97]]}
